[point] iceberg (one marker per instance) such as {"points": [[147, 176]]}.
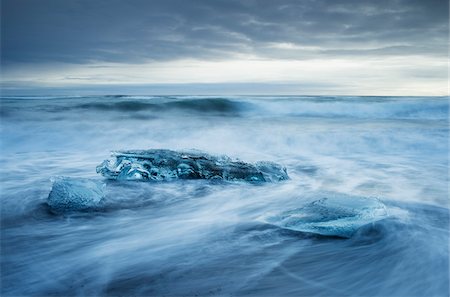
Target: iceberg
{"points": [[162, 165], [75, 194], [334, 215]]}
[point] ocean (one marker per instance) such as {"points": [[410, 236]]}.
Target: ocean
{"points": [[207, 238]]}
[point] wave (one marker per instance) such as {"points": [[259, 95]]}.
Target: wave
{"points": [[257, 258], [207, 105], [421, 108], [360, 107]]}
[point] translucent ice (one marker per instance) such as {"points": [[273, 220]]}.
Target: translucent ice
{"points": [[75, 194], [334, 215], [166, 165]]}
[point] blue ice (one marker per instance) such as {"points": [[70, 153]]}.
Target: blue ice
{"points": [[333, 215], [147, 165], [75, 194]]}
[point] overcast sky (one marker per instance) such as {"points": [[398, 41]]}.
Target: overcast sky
{"points": [[355, 47]]}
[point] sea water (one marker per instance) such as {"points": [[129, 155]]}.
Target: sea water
{"points": [[209, 238]]}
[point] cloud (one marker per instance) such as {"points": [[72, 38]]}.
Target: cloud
{"points": [[135, 30], [327, 47]]}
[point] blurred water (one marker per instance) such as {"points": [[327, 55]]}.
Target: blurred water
{"points": [[188, 238]]}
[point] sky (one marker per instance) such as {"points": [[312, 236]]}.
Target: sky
{"points": [[261, 47]]}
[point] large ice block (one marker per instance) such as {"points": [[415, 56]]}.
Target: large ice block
{"points": [[75, 194], [333, 215], [162, 164]]}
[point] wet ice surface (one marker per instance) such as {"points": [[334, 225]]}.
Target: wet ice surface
{"points": [[75, 194], [206, 238], [332, 215], [164, 164]]}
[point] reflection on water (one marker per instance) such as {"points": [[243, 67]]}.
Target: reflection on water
{"points": [[204, 238]]}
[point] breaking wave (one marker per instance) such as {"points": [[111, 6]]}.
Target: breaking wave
{"points": [[414, 108]]}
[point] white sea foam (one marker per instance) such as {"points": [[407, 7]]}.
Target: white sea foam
{"points": [[205, 238]]}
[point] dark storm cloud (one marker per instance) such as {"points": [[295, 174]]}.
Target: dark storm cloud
{"points": [[134, 31]]}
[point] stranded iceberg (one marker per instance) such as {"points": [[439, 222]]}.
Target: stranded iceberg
{"points": [[75, 194], [78, 194], [331, 214], [334, 215], [147, 165]]}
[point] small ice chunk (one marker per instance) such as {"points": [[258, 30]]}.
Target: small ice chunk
{"points": [[334, 215], [75, 194]]}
